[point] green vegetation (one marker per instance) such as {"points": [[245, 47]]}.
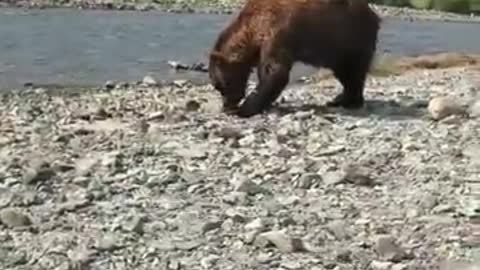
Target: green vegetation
{"points": [[456, 6]]}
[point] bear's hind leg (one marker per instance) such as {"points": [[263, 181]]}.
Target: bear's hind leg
{"points": [[352, 75], [273, 76]]}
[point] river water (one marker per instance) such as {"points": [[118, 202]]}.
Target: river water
{"points": [[62, 46]]}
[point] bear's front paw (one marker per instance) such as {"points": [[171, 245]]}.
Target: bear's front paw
{"points": [[346, 102], [246, 112], [250, 107], [230, 110]]}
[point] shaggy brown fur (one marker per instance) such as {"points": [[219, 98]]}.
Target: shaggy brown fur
{"points": [[274, 34]]}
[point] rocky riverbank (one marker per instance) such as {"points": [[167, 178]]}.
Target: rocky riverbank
{"points": [[220, 6], [154, 177]]}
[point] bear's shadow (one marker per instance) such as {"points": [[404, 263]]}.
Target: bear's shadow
{"points": [[385, 109]]}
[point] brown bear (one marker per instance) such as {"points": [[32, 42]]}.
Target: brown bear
{"points": [[272, 35]]}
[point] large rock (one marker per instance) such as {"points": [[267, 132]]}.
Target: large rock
{"points": [[441, 107]]}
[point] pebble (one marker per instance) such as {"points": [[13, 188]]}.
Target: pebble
{"points": [[229, 133], [249, 237], [109, 242], [72, 205], [174, 265], [293, 265], [474, 110], [187, 245], [235, 215], [192, 106], [41, 173], [14, 218], [109, 85], [149, 81], [338, 229], [122, 85], [333, 177], [248, 186], [84, 166], [235, 198], [428, 201], [472, 151], [255, 225], [6, 197], [156, 116], [309, 180], [211, 225], [399, 266], [135, 224], [280, 240], [265, 258], [387, 248], [12, 257], [380, 265], [209, 261], [344, 256], [443, 208], [80, 257], [180, 83], [358, 175]]}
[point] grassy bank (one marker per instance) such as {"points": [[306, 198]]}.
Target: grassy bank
{"points": [[457, 6], [393, 65]]}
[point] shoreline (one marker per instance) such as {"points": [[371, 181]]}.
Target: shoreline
{"points": [[383, 66], [404, 13]]}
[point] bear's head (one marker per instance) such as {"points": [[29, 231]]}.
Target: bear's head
{"points": [[228, 75]]}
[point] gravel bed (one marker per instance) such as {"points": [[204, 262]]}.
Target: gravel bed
{"points": [[154, 177]]}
